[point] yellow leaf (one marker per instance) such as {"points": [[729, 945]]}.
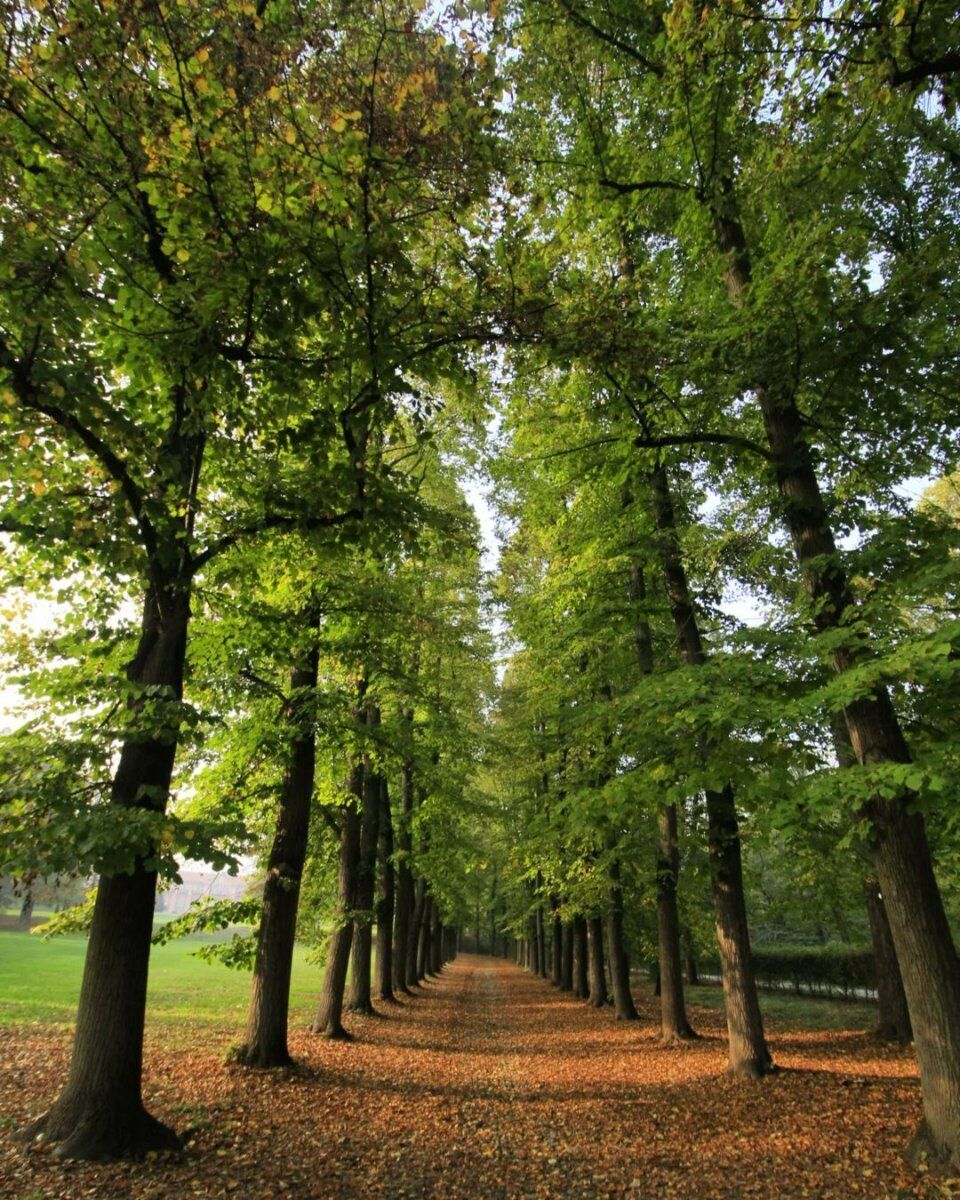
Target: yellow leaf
{"points": [[900, 13], [339, 125], [274, 93], [290, 135], [183, 255]]}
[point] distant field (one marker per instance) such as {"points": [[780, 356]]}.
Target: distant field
{"points": [[40, 982]]}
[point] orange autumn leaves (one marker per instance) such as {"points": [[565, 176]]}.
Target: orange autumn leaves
{"points": [[491, 1083]]}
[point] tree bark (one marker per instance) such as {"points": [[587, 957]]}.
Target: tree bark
{"points": [[893, 1024], [748, 1053], [416, 926], [436, 942], [100, 1113], [386, 902], [542, 969], [566, 954], [405, 892], [674, 1025], [360, 1000], [597, 988], [619, 961], [581, 969], [423, 949], [265, 1042], [556, 943], [26, 910], [328, 1020]]}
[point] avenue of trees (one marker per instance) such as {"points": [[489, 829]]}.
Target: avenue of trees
{"points": [[278, 278]]}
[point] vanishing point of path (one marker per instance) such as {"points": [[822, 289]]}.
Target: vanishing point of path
{"points": [[491, 1083]]}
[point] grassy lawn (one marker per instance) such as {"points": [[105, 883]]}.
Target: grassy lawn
{"points": [[40, 981], [796, 1012]]}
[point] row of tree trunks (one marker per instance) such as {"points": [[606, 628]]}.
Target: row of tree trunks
{"points": [[921, 933], [747, 1047]]}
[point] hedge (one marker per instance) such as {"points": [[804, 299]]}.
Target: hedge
{"points": [[807, 970]]}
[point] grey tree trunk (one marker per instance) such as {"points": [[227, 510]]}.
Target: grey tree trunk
{"points": [[748, 1053], [328, 1020], [405, 890], [386, 902], [597, 976], [265, 1041], [619, 961]]}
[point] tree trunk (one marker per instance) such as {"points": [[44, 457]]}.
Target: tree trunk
{"points": [[566, 953], [674, 1025], [26, 910], [619, 961], [556, 942], [385, 904], [265, 1042], [542, 969], [921, 933], [405, 893], [360, 1000], [436, 942], [328, 1020], [423, 948], [534, 942], [597, 987], [748, 1053], [581, 969], [893, 1023], [100, 1113], [414, 937], [690, 971]]}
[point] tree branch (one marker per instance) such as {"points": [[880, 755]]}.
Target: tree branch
{"points": [[610, 39], [935, 68], [273, 521], [708, 439], [645, 185]]}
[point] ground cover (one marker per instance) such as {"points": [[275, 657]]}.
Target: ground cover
{"points": [[491, 1083]]}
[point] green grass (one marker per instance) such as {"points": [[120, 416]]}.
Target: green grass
{"points": [[40, 982], [797, 1012]]}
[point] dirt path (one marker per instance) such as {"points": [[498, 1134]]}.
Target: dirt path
{"points": [[492, 1084]]}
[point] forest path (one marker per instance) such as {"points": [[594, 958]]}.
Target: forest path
{"points": [[493, 1084]]}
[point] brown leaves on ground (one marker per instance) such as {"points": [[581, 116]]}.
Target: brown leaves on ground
{"points": [[493, 1084]]}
